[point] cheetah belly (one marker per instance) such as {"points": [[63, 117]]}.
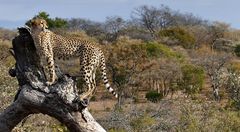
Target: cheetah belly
{"points": [[65, 53]]}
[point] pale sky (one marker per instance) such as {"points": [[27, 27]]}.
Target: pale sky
{"points": [[14, 13]]}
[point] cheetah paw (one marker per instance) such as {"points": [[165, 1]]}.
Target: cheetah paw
{"points": [[84, 102], [48, 83]]}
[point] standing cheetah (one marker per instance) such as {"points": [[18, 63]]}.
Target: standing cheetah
{"points": [[50, 45]]}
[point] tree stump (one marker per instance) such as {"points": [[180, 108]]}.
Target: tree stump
{"points": [[59, 100]]}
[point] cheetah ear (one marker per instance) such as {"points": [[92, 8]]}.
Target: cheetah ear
{"points": [[31, 22]]}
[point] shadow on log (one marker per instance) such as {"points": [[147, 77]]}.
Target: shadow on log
{"points": [[59, 101]]}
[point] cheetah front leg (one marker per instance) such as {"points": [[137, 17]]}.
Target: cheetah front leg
{"points": [[48, 56], [51, 70]]}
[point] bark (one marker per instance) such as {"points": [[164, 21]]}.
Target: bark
{"points": [[59, 101]]}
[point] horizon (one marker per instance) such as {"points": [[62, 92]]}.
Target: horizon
{"points": [[14, 13]]}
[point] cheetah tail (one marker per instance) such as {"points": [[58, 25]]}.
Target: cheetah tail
{"points": [[105, 80]]}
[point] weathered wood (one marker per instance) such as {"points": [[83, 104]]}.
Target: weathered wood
{"points": [[59, 100]]}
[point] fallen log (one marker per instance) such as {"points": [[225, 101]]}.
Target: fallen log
{"points": [[59, 101]]}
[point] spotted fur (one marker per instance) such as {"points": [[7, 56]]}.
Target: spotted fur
{"points": [[50, 45]]}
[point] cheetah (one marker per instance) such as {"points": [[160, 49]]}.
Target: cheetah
{"points": [[50, 45]]}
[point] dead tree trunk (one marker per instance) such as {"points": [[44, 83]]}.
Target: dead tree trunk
{"points": [[59, 100]]}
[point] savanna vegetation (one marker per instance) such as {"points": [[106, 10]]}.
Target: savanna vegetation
{"points": [[173, 71]]}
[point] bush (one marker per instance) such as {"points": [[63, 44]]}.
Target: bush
{"points": [[6, 58], [229, 122], [237, 50], [141, 123], [234, 66], [59, 128], [93, 98], [154, 96], [232, 85], [157, 50], [179, 34], [117, 130], [193, 79]]}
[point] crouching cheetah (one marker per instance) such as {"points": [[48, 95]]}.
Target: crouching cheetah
{"points": [[50, 45]]}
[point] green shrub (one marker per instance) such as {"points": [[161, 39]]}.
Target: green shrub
{"points": [[229, 121], [154, 96], [59, 128], [193, 79], [108, 109], [93, 98], [6, 58], [183, 37], [237, 50], [157, 50], [117, 130], [141, 123]]}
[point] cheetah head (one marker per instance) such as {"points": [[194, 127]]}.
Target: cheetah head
{"points": [[38, 24]]}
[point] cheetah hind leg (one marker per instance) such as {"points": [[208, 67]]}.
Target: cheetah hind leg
{"points": [[94, 86], [85, 97], [85, 100]]}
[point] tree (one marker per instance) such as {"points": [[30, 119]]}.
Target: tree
{"points": [[92, 28], [52, 22], [188, 19], [217, 31], [165, 71], [59, 100], [214, 65], [134, 30], [163, 76], [233, 86], [126, 61], [200, 33], [114, 25], [153, 19]]}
